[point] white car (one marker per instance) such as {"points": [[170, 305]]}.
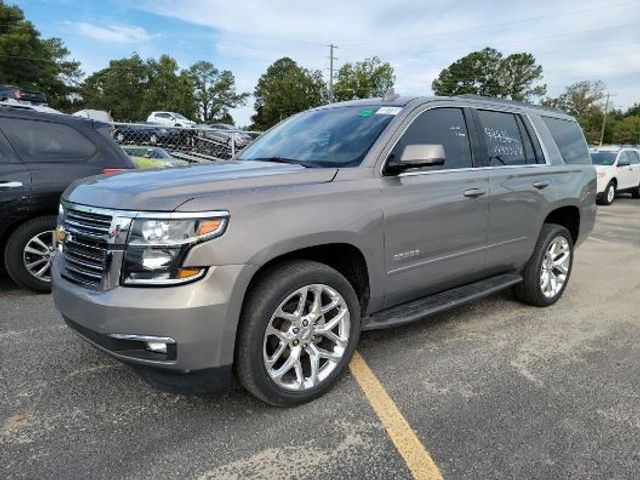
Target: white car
{"points": [[618, 170], [170, 119]]}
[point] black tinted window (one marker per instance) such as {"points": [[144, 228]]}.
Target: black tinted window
{"points": [[569, 139], [441, 126], [37, 141], [504, 139]]}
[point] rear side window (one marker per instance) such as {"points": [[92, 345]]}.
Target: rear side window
{"points": [[569, 139], [37, 141], [442, 126], [505, 139]]}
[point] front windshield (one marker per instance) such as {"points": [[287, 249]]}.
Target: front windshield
{"points": [[328, 137], [181, 117], [603, 158]]}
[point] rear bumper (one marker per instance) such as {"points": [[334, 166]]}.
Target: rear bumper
{"points": [[199, 318]]}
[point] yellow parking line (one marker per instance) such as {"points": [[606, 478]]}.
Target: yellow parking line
{"points": [[416, 457]]}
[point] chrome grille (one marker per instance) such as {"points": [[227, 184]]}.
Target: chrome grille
{"points": [[85, 248]]}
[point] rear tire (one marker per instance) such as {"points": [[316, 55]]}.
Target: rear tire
{"points": [[260, 355], [533, 290], [32, 233]]}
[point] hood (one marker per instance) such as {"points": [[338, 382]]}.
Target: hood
{"points": [[165, 190]]}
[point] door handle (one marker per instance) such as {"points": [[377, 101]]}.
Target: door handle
{"points": [[10, 184], [541, 185], [474, 192]]}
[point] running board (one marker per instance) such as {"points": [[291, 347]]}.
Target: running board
{"points": [[424, 307]]}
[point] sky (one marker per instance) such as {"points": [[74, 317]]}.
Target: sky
{"points": [[573, 40]]}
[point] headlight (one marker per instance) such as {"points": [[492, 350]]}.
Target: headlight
{"points": [[157, 247]]}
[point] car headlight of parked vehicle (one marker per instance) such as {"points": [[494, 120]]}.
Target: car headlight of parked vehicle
{"points": [[157, 247]]}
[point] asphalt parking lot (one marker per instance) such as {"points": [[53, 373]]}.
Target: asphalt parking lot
{"points": [[493, 390]]}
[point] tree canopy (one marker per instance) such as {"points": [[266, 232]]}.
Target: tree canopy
{"points": [[284, 89], [214, 91], [488, 72], [32, 62], [369, 78]]}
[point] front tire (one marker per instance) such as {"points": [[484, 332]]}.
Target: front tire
{"points": [[299, 327], [29, 253], [547, 273], [635, 193], [609, 194]]}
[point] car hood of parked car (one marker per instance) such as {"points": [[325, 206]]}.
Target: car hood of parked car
{"points": [[166, 190]]}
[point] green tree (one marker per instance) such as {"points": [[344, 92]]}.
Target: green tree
{"points": [[120, 88], [214, 92], [487, 72], [168, 88], [580, 99], [284, 89], [31, 62], [366, 79], [130, 88]]}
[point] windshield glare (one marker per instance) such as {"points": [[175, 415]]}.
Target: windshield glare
{"points": [[329, 137], [603, 158]]}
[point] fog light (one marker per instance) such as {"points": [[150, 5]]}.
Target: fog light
{"points": [[158, 347]]}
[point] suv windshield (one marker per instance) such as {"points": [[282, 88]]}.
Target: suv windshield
{"points": [[603, 158], [181, 117], [329, 137]]}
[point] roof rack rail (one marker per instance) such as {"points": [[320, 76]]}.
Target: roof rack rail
{"points": [[473, 96]]}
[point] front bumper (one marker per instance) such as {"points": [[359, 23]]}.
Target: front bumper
{"points": [[603, 181], [201, 317]]}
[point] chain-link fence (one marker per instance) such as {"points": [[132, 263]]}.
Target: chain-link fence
{"points": [[197, 144]]}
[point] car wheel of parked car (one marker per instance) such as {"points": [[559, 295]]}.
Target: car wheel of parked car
{"points": [[153, 139], [547, 273], [609, 194], [299, 328], [29, 252], [120, 137], [635, 193]]}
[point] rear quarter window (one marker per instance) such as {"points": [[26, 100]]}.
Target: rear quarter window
{"points": [[569, 139], [40, 141]]}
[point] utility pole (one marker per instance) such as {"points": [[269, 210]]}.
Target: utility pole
{"points": [[332, 47], [604, 119]]}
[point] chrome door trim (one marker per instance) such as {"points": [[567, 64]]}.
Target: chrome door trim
{"points": [[11, 184]]}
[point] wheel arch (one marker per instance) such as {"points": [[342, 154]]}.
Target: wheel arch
{"points": [[567, 216], [346, 258]]}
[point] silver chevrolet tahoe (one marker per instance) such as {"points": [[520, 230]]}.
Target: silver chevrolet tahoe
{"points": [[348, 217]]}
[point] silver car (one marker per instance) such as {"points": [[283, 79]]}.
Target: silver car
{"points": [[348, 217]]}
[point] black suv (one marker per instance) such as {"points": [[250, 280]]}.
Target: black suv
{"points": [[40, 155]]}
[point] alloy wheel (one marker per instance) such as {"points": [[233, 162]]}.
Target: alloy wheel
{"points": [[306, 337], [555, 267], [611, 194], [38, 254]]}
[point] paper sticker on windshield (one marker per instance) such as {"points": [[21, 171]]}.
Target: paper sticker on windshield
{"points": [[365, 113], [388, 110]]}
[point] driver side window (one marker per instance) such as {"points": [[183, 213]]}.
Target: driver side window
{"points": [[623, 159], [440, 126]]}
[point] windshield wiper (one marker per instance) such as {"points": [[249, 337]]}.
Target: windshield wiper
{"points": [[282, 160]]}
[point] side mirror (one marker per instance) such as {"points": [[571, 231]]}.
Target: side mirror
{"points": [[418, 156]]}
